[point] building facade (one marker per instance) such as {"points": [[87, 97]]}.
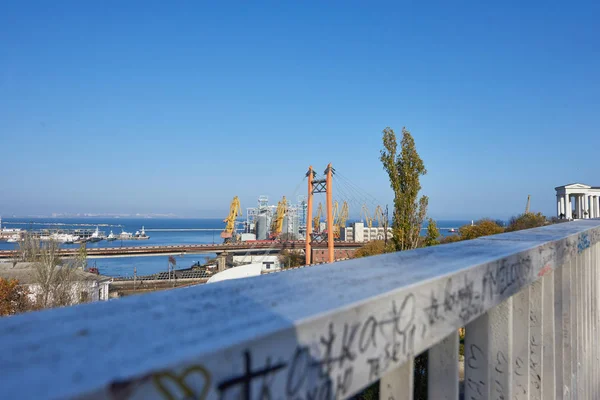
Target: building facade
{"points": [[577, 201], [358, 232], [85, 286]]}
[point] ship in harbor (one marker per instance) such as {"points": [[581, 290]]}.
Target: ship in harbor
{"points": [[97, 236], [111, 237], [141, 235]]}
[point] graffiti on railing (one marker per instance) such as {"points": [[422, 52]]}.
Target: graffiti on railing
{"points": [[465, 299], [327, 369], [507, 275], [475, 359], [192, 383], [583, 242], [352, 348]]}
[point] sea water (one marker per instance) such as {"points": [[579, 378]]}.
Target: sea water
{"points": [[172, 231]]}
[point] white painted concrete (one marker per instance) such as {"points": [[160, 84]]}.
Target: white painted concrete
{"points": [[243, 271]]}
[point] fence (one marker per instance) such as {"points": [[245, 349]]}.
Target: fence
{"points": [[528, 300]]}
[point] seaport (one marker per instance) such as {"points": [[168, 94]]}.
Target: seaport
{"points": [[68, 236]]}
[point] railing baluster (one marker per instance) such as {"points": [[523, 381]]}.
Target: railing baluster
{"points": [[443, 369], [596, 317], [398, 383], [586, 312], [476, 358], [566, 331], [559, 340], [576, 313], [593, 331], [586, 324], [548, 354], [536, 335], [592, 315], [520, 345], [501, 350]]}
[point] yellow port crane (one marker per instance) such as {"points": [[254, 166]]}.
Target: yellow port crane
{"points": [[340, 218], [277, 223], [317, 218], [364, 212], [235, 210], [378, 216]]}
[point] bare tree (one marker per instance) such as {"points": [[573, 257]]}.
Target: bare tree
{"points": [[54, 277], [29, 249]]}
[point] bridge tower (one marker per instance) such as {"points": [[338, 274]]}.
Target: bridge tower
{"points": [[320, 186]]}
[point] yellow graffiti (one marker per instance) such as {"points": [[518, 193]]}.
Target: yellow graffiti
{"points": [[161, 378]]}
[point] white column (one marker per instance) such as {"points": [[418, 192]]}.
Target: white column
{"points": [[588, 204], [558, 210], [561, 206], [577, 205], [567, 202], [595, 201]]}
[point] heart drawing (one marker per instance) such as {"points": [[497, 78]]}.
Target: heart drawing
{"points": [[192, 383]]}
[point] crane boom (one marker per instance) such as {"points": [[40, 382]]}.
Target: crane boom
{"points": [[277, 224], [365, 212], [235, 210], [378, 216], [341, 216], [317, 219]]}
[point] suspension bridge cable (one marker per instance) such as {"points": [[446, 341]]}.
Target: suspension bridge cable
{"points": [[355, 199], [359, 189]]}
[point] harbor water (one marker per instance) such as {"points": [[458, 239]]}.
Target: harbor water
{"points": [[162, 231]]}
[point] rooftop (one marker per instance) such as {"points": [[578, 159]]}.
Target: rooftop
{"points": [[25, 273]]}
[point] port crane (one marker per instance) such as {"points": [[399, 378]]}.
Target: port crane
{"points": [[340, 218], [364, 212], [377, 216], [235, 210], [277, 223], [317, 218]]}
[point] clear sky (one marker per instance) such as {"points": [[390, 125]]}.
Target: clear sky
{"points": [[160, 107]]}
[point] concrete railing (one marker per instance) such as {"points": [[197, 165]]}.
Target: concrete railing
{"points": [[528, 300]]}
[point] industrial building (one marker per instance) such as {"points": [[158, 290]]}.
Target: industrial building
{"points": [[269, 221], [358, 232]]}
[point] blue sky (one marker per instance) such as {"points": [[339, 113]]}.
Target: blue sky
{"points": [[162, 107]]}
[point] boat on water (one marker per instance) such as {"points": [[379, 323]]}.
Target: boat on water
{"points": [[141, 235], [63, 238], [13, 239], [125, 235], [96, 236], [452, 230], [111, 237]]}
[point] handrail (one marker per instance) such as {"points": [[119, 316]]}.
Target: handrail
{"points": [[322, 332]]}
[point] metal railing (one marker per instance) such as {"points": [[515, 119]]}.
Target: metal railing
{"points": [[528, 301]]}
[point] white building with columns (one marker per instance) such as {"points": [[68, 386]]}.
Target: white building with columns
{"points": [[576, 201]]}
